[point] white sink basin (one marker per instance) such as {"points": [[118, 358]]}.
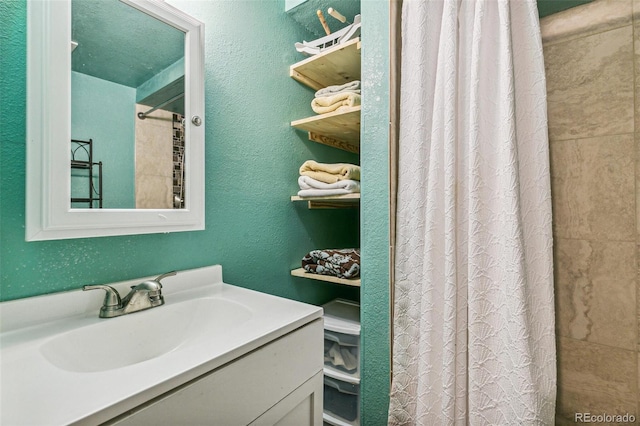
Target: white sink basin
{"points": [[141, 336], [77, 368]]}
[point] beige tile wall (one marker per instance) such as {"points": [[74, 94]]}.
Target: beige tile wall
{"points": [[592, 62], [154, 160]]}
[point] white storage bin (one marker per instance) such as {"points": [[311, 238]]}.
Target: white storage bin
{"points": [[329, 420], [342, 337], [341, 402]]}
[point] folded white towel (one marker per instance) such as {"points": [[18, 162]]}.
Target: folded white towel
{"points": [[337, 102], [307, 193], [353, 86], [307, 182], [310, 187]]}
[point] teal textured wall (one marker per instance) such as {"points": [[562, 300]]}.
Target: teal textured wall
{"points": [[549, 7], [375, 212], [252, 160], [305, 13], [105, 112]]}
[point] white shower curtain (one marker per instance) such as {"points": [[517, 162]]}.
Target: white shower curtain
{"points": [[473, 326]]}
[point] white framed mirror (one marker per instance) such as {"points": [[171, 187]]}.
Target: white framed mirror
{"points": [[67, 193]]}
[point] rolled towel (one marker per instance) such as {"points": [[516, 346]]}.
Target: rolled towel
{"points": [[337, 102], [309, 187], [330, 173], [353, 86], [341, 263]]}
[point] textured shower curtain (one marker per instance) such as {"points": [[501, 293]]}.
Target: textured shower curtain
{"points": [[473, 307]]}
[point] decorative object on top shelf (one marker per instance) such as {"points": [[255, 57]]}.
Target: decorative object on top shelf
{"points": [[339, 16], [323, 22], [337, 65], [317, 46]]}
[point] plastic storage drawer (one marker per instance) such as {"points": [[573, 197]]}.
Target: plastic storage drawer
{"points": [[341, 400], [342, 337]]}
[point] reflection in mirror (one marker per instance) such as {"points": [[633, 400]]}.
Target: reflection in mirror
{"points": [[127, 108], [155, 61]]}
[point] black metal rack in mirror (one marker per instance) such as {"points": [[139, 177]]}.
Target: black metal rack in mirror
{"points": [[86, 175]]}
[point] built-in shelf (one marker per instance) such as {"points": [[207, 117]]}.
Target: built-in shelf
{"points": [[339, 129], [337, 65], [300, 272], [331, 202]]}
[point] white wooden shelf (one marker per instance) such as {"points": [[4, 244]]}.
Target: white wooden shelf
{"points": [[339, 129], [331, 202], [300, 272], [334, 66]]}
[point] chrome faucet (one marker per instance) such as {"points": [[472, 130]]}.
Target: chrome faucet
{"points": [[145, 295]]}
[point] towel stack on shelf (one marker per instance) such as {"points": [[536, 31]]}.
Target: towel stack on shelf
{"points": [[341, 263], [323, 180], [336, 98]]}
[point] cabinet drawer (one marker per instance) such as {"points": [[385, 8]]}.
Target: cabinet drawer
{"points": [[342, 338], [342, 352], [341, 399]]}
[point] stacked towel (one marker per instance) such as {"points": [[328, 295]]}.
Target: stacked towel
{"points": [[352, 87], [338, 102], [341, 263], [330, 173], [336, 98], [309, 187]]}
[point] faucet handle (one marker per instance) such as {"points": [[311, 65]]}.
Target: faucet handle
{"points": [[166, 274], [156, 296], [112, 299], [153, 286]]}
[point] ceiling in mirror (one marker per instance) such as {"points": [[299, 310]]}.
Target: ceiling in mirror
{"points": [[120, 44]]}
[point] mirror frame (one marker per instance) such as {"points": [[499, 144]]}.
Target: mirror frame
{"points": [[49, 215]]}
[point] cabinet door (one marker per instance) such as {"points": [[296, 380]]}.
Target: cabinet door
{"points": [[241, 391], [302, 407]]}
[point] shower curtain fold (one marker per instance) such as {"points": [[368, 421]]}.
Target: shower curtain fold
{"points": [[473, 330]]}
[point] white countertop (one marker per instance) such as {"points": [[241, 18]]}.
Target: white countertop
{"points": [[33, 391]]}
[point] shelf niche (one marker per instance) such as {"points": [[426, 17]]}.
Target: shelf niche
{"points": [[300, 272], [345, 201], [339, 129], [334, 66]]}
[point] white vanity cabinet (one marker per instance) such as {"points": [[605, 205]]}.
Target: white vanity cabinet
{"points": [[280, 383], [213, 354]]}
